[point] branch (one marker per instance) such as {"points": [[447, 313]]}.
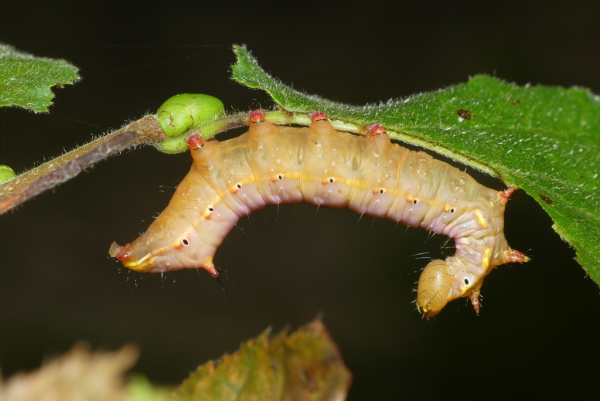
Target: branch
{"points": [[48, 175]]}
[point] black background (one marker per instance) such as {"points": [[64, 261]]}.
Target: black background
{"points": [[538, 331]]}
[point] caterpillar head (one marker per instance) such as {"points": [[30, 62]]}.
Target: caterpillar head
{"points": [[434, 289]]}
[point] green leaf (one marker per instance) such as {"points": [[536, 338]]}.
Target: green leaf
{"points": [[305, 365], [26, 80], [546, 140]]}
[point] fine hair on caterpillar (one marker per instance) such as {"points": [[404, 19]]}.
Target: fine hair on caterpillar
{"points": [[318, 165]]}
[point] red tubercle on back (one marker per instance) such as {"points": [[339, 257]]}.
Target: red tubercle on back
{"points": [[195, 142], [376, 129], [506, 194], [318, 116], [257, 116], [513, 256]]}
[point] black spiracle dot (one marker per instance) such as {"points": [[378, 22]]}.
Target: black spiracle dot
{"points": [[238, 185], [415, 201], [185, 242], [280, 176], [381, 191], [466, 281], [331, 180], [211, 209], [453, 210]]}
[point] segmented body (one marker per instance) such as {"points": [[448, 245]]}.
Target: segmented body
{"points": [[367, 174]]}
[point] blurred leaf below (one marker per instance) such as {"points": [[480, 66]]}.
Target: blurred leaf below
{"points": [[77, 375], [305, 365]]}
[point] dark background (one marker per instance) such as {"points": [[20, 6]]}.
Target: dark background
{"points": [[538, 331]]}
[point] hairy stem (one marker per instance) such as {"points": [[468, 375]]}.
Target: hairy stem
{"points": [[46, 176]]}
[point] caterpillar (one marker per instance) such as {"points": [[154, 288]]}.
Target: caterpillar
{"points": [[368, 174]]}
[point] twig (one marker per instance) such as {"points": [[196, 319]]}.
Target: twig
{"points": [[67, 166]]}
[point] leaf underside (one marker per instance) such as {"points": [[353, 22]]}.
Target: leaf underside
{"points": [[545, 140]]}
